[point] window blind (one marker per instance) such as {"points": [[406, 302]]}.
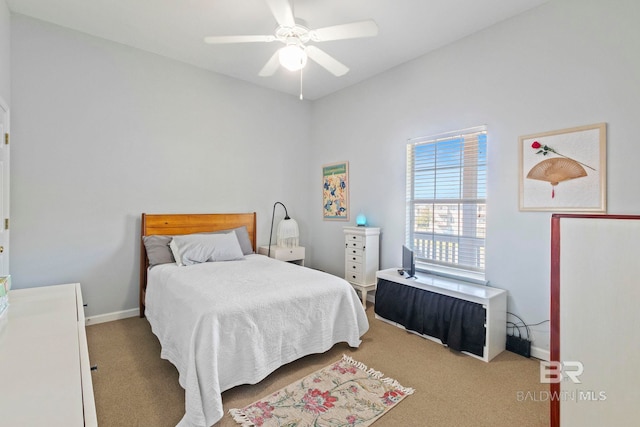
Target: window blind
{"points": [[446, 199]]}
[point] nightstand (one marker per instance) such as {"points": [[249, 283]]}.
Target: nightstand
{"points": [[294, 255]]}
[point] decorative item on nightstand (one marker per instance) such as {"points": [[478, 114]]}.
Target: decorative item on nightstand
{"points": [[362, 248], [287, 239]]}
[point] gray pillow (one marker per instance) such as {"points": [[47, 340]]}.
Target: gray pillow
{"points": [[158, 251], [243, 239]]}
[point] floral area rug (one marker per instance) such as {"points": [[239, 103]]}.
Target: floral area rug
{"points": [[343, 394]]}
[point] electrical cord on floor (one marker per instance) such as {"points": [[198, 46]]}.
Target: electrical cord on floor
{"points": [[539, 323], [515, 327], [518, 343], [522, 323]]}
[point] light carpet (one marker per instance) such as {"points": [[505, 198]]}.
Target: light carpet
{"points": [[345, 393]]}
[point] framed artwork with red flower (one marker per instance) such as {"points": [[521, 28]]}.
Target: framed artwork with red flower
{"points": [[564, 170]]}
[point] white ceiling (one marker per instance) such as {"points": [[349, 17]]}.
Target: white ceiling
{"points": [[176, 28]]}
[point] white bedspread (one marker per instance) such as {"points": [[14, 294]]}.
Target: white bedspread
{"points": [[223, 324]]}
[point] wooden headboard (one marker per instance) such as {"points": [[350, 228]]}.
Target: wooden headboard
{"points": [[175, 224]]}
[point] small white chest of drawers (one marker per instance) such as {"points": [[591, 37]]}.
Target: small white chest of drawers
{"points": [[362, 251], [45, 377]]}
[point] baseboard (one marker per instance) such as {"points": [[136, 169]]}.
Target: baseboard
{"points": [[109, 317], [540, 353]]}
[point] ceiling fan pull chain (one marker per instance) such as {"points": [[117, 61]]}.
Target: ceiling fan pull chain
{"points": [[301, 98]]}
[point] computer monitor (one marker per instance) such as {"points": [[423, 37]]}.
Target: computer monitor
{"points": [[408, 262]]}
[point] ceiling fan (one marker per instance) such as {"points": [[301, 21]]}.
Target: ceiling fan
{"points": [[295, 37]]}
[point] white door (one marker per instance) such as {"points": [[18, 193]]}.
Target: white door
{"points": [[4, 188]]}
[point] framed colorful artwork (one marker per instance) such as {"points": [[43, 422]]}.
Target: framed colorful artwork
{"points": [[335, 191], [564, 170]]}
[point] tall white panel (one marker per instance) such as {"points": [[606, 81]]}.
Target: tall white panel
{"points": [[595, 318]]}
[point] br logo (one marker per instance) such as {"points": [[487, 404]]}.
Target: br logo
{"points": [[555, 372]]}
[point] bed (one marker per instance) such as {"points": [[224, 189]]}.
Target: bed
{"points": [[222, 324]]}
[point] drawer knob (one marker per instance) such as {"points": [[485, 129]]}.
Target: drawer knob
{"points": [[353, 267]]}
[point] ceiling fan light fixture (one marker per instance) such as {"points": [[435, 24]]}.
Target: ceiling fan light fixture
{"points": [[292, 57], [295, 35]]}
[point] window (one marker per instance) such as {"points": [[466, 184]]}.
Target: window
{"points": [[446, 202]]}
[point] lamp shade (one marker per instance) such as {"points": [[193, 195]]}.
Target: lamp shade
{"points": [[292, 57], [288, 233]]}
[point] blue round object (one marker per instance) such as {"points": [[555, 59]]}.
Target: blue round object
{"points": [[361, 220]]}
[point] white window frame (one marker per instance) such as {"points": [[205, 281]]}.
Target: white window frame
{"points": [[459, 253]]}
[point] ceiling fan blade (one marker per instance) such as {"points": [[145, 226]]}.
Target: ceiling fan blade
{"points": [[352, 30], [238, 39], [327, 61], [271, 66], [281, 10]]}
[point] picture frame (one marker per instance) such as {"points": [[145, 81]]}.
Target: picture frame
{"points": [[564, 170], [335, 191]]}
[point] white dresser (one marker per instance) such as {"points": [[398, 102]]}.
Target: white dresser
{"points": [[45, 377], [362, 251]]}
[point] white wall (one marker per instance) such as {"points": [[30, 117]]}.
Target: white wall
{"points": [[564, 64], [5, 43], [103, 132]]}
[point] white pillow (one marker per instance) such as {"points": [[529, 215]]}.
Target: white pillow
{"points": [[198, 248], [175, 251]]}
